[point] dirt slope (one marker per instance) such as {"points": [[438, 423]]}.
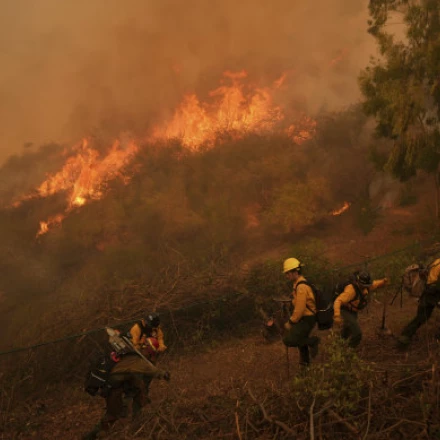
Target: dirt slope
{"points": [[205, 387]]}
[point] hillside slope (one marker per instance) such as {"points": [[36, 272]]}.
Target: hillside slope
{"points": [[209, 387]]}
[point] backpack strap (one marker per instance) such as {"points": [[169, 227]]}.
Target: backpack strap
{"points": [[144, 329], [311, 287], [359, 296]]}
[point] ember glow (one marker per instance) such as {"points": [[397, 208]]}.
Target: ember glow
{"points": [[236, 107], [342, 209]]}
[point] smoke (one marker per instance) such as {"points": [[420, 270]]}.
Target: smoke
{"points": [[71, 69]]}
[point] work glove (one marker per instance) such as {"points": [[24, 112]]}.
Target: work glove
{"points": [[167, 376], [386, 281], [288, 325]]}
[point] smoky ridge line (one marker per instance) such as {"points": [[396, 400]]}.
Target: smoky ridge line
{"points": [[71, 69]]}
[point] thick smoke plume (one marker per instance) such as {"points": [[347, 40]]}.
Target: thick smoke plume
{"points": [[71, 69]]}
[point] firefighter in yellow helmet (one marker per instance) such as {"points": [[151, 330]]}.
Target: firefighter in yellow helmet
{"points": [[303, 319]]}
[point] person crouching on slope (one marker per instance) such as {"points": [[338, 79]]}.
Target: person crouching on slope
{"points": [[147, 327], [303, 319], [141, 334], [353, 299], [127, 375]]}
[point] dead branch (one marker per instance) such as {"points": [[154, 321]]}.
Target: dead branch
{"points": [[269, 418], [369, 412], [237, 423], [420, 373], [252, 425], [344, 422], [312, 424]]}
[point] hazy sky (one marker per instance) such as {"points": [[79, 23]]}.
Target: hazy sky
{"points": [[68, 67]]}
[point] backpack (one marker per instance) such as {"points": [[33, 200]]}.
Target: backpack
{"points": [[340, 287], [96, 382], [324, 306], [145, 330]]}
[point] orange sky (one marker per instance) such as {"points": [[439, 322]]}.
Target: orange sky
{"points": [[74, 68]]}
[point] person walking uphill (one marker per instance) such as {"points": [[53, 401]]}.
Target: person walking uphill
{"points": [[429, 299], [353, 299], [303, 319]]}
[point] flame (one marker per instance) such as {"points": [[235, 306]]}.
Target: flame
{"points": [[234, 107], [84, 177], [51, 222], [304, 130], [237, 107], [342, 209]]}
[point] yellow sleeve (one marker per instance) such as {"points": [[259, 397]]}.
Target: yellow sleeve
{"points": [[378, 283], [434, 272], [300, 302], [135, 332], [160, 339], [349, 294]]}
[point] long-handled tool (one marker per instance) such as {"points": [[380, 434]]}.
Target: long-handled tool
{"points": [[399, 290], [383, 329], [123, 345]]}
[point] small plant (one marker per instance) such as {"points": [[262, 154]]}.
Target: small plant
{"points": [[340, 382]]}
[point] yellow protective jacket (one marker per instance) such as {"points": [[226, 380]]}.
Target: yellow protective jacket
{"points": [[138, 338], [347, 299], [303, 301], [434, 272]]}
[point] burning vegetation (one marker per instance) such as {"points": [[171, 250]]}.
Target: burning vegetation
{"points": [[237, 108]]}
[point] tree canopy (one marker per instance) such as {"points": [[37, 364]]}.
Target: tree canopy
{"points": [[402, 86]]}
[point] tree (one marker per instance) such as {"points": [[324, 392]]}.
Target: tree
{"points": [[402, 87]]}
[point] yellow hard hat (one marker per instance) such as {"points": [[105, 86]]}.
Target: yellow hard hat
{"points": [[291, 264]]}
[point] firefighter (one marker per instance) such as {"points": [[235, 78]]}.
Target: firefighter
{"points": [[303, 319], [148, 326], [429, 299], [141, 333], [354, 298], [126, 377]]}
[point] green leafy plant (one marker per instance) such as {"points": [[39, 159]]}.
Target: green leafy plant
{"points": [[340, 382]]}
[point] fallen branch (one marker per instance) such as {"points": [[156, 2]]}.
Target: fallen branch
{"points": [[420, 373], [312, 423], [369, 412], [344, 422], [271, 419], [237, 423]]}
